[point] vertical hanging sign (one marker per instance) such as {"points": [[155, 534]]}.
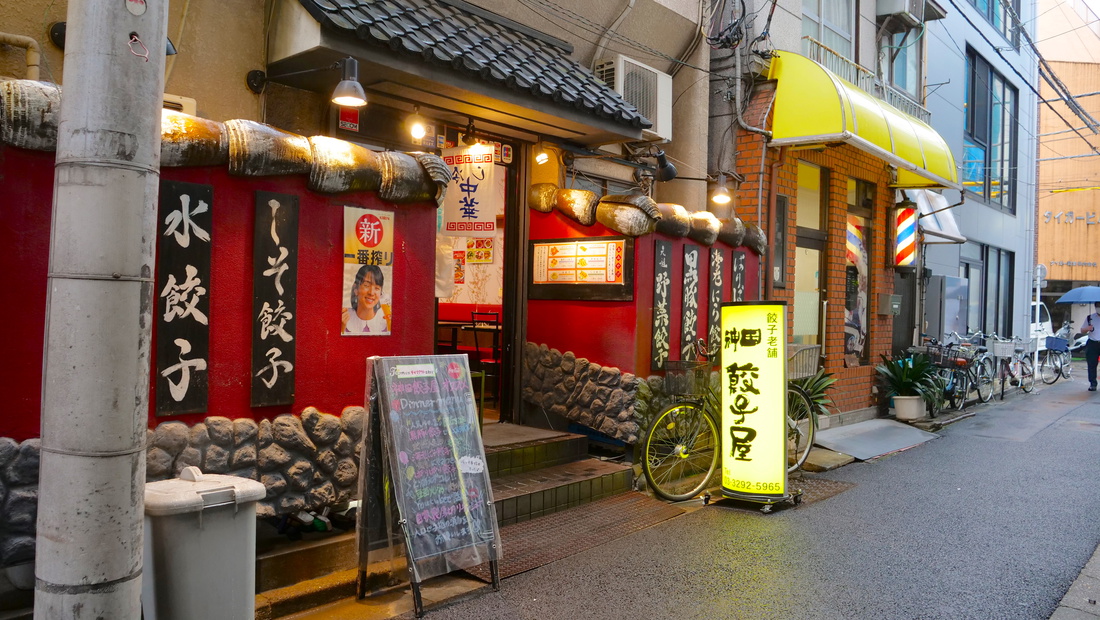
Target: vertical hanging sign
{"points": [[475, 194], [754, 401], [714, 298], [689, 318], [662, 284], [737, 288], [368, 273], [274, 299], [905, 235], [183, 299]]}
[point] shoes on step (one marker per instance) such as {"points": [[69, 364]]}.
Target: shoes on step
{"points": [[1092, 388]]}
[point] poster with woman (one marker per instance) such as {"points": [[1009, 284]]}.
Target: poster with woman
{"points": [[367, 305]]}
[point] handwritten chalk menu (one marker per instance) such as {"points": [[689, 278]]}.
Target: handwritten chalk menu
{"points": [[579, 262], [436, 462]]}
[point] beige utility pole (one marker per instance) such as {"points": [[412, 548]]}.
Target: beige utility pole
{"points": [[95, 385]]}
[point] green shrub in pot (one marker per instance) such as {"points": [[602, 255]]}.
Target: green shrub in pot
{"points": [[909, 376]]}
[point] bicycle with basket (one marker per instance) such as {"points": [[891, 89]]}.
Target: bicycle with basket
{"points": [[682, 447], [1054, 361], [1014, 365], [966, 373]]}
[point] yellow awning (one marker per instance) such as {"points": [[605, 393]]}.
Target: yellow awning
{"points": [[815, 107]]}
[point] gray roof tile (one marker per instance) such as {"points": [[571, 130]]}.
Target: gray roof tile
{"points": [[442, 34]]}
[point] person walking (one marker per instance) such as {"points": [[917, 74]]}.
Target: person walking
{"points": [[1092, 349]]}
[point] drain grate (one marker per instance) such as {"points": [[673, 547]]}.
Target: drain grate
{"points": [[816, 489], [531, 544]]}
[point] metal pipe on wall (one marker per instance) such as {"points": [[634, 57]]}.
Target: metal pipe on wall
{"points": [[34, 53], [95, 383]]}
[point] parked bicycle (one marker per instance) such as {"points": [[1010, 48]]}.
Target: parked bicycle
{"points": [[1054, 361], [1014, 365], [682, 447], [966, 371]]}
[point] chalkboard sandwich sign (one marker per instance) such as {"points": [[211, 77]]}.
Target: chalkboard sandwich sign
{"points": [[435, 462]]}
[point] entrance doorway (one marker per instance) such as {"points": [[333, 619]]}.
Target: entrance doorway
{"points": [[475, 286]]}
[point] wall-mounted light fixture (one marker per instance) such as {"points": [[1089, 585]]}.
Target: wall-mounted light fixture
{"points": [[542, 154], [665, 170], [469, 138], [721, 195], [417, 127], [349, 92]]}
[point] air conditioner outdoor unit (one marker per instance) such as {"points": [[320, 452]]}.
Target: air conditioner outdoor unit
{"points": [[908, 13], [187, 105], [646, 88]]}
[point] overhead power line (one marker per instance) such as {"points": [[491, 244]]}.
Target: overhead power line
{"points": [[1048, 74]]}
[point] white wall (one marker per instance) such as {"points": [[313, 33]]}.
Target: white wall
{"points": [[946, 44]]}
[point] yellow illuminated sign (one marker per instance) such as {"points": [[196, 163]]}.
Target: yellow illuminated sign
{"points": [[754, 401]]}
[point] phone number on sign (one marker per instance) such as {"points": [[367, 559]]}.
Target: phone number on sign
{"points": [[759, 487]]}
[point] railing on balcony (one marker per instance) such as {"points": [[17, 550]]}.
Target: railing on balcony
{"points": [[863, 78]]}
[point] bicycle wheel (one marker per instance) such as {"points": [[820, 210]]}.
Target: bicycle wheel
{"points": [[983, 372], [1027, 374], [960, 385], [1050, 367], [801, 427], [680, 452], [1066, 366]]}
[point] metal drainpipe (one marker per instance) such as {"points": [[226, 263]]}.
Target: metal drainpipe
{"points": [[33, 51], [741, 122], [95, 383], [763, 152]]}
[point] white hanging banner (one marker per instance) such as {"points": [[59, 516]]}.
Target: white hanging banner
{"points": [[476, 192]]}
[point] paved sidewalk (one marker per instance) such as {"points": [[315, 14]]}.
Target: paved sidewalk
{"points": [[1082, 601]]}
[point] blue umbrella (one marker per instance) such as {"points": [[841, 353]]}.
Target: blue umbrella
{"points": [[1081, 295]]}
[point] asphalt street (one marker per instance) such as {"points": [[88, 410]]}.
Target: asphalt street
{"points": [[994, 519]]}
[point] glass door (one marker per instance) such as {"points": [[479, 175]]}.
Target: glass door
{"points": [[809, 290]]}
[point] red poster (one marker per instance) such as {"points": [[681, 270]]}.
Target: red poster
{"points": [[349, 119]]}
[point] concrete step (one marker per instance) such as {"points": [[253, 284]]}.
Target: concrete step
{"points": [[544, 491], [529, 455], [284, 562]]}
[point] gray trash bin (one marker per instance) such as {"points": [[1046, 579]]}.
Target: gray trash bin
{"points": [[200, 547]]}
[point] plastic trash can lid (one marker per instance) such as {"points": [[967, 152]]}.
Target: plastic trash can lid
{"points": [[195, 491]]}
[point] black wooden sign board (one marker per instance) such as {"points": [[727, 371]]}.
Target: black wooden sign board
{"points": [[714, 298], [689, 318], [184, 222], [737, 288], [274, 299], [435, 461], [662, 285]]}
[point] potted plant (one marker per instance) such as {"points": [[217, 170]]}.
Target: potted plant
{"points": [[911, 381], [816, 386]]}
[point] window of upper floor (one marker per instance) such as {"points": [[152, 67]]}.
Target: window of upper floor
{"points": [[990, 136], [832, 22], [904, 60], [1003, 15]]}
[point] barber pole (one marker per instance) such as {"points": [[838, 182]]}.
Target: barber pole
{"points": [[905, 247]]}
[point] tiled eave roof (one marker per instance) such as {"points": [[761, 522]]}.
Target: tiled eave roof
{"points": [[480, 45]]}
